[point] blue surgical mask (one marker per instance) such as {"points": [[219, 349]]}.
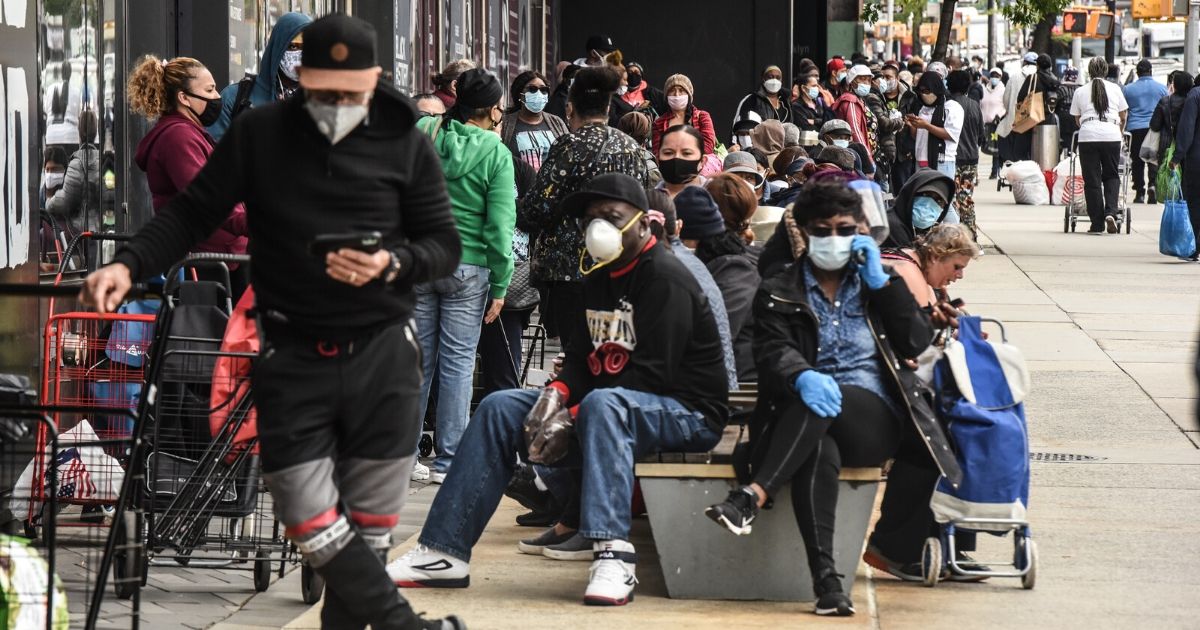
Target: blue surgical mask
{"points": [[995, 81], [862, 89], [813, 92], [925, 212], [845, 144], [536, 102]]}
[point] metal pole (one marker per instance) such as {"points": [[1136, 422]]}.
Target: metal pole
{"points": [[1110, 44], [1077, 52], [1190, 33], [991, 31]]}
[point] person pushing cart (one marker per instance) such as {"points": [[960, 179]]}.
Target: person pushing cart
{"points": [[347, 210]]}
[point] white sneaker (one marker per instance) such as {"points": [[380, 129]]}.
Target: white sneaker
{"points": [[611, 579], [424, 567], [420, 471], [437, 477]]}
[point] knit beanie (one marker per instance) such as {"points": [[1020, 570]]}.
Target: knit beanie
{"points": [[680, 80], [700, 215], [478, 88]]}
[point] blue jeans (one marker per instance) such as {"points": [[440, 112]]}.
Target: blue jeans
{"points": [[449, 315], [614, 427]]}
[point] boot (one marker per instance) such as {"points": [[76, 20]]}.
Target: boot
{"points": [[363, 594], [1151, 196]]}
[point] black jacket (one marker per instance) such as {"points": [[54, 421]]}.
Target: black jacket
{"points": [[652, 331], [1048, 84], [756, 107], [557, 104], [384, 176], [901, 228], [1166, 120], [888, 128], [810, 118], [907, 102], [785, 344], [972, 131]]}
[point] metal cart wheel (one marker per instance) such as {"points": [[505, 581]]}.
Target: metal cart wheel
{"points": [[425, 446], [931, 561], [1030, 578], [1067, 219], [312, 585], [129, 564], [262, 570], [1128, 219]]}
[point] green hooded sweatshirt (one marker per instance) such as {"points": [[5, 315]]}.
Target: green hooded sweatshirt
{"points": [[479, 178]]}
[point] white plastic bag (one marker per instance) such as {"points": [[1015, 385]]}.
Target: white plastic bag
{"points": [[84, 472], [1028, 183], [1065, 184]]}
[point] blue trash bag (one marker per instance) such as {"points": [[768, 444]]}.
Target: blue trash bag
{"points": [[989, 432], [1175, 237]]}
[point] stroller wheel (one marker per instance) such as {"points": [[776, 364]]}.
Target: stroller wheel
{"points": [[425, 446], [931, 561]]}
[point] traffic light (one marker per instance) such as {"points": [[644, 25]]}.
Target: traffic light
{"points": [[1075, 22], [1100, 24]]}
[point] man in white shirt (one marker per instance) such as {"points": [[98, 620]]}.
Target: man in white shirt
{"points": [[1100, 109]]}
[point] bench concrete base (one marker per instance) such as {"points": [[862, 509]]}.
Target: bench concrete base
{"points": [[701, 560]]}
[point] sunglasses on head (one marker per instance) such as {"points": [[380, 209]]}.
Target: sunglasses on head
{"points": [[532, 89], [841, 230]]}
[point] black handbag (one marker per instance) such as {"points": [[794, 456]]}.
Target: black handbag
{"points": [[521, 293]]}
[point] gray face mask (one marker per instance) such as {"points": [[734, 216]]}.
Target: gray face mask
{"points": [[336, 121]]}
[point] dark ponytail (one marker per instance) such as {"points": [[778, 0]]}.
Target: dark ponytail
{"points": [[1098, 69]]}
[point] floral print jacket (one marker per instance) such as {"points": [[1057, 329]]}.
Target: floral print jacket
{"points": [[573, 161]]}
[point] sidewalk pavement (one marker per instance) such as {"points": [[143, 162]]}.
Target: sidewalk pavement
{"points": [[1109, 328]]}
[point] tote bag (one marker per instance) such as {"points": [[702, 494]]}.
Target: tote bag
{"points": [[1175, 237], [1031, 111]]}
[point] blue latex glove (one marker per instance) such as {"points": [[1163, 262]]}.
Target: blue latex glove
{"points": [[820, 392], [870, 267]]}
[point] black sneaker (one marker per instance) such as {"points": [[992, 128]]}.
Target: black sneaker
{"points": [[449, 623], [1152, 196], [538, 519], [1139, 198], [831, 601], [542, 505], [737, 512]]}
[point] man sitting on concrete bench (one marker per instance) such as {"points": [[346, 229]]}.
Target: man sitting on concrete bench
{"points": [[654, 380], [830, 331]]}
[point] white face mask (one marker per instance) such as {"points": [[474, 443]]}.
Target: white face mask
{"points": [[678, 102], [1028, 70], [829, 252], [772, 85], [622, 90], [885, 86], [288, 64], [603, 242], [53, 179], [842, 143], [336, 121]]}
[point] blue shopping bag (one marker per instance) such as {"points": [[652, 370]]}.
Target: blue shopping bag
{"points": [[129, 341], [1175, 237]]}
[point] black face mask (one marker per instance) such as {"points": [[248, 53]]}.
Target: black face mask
{"points": [[634, 80], [678, 171], [212, 109]]}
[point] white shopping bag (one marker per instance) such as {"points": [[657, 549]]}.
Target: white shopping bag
{"points": [[85, 473]]}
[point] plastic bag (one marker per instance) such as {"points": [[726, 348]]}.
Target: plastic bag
{"points": [[1175, 237], [1164, 174], [84, 472], [1068, 189], [25, 584]]}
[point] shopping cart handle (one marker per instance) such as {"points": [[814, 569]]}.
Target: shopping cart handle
{"points": [[138, 290]]}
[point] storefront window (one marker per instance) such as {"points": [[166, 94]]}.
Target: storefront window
{"points": [[250, 24]]}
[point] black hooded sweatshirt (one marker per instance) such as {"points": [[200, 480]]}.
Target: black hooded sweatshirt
{"points": [[384, 176], [901, 231]]}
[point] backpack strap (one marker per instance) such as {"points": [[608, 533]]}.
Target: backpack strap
{"points": [[241, 102]]}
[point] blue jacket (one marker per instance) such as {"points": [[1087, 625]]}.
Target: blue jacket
{"points": [[1186, 148], [1143, 96], [266, 84]]}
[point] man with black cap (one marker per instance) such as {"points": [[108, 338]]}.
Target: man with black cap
{"points": [[653, 379], [335, 386], [451, 312], [598, 47], [1143, 96]]}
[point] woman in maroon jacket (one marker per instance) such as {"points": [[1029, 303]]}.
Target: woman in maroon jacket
{"points": [[681, 101], [182, 95]]}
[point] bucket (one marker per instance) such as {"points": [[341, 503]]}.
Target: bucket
{"points": [[1046, 151]]}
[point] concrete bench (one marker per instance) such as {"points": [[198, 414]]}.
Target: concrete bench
{"points": [[701, 560]]}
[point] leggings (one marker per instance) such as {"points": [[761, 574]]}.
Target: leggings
{"points": [[809, 451]]}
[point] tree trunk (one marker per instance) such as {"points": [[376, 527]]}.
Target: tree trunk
{"points": [[1041, 34], [945, 26]]}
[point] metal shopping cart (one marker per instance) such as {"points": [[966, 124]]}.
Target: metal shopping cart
{"points": [[63, 461], [1076, 208], [205, 503]]}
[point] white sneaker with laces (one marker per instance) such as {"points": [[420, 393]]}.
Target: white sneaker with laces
{"points": [[611, 579], [424, 567], [420, 471]]}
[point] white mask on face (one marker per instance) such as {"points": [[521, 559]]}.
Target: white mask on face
{"points": [[53, 179], [829, 252], [678, 103], [772, 85], [336, 121], [1028, 70], [288, 64], [841, 143], [603, 242]]}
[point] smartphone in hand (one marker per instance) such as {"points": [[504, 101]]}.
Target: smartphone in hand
{"points": [[366, 242]]}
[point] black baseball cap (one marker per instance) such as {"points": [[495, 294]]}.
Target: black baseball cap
{"points": [[616, 186], [339, 54], [602, 43]]}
